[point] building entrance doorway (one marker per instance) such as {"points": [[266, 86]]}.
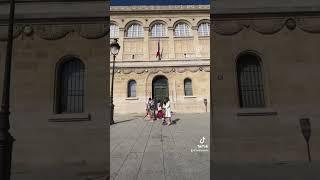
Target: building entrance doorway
{"points": [[160, 88]]}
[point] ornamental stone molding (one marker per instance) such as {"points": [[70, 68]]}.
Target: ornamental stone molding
{"points": [[266, 26], [52, 32], [163, 63], [310, 25], [57, 31], [165, 70], [227, 27], [4, 32], [93, 31]]}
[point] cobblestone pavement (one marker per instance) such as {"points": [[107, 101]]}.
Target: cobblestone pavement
{"points": [[144, 150]]}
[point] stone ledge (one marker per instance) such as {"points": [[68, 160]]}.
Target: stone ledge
{"points": [[183, 37], [257, 112], [133, 38], [159, 9], [132, 98], [187, 97], [70, 117]]}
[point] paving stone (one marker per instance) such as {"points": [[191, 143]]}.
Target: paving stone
{"points": [[163, 152], [130, 168]]}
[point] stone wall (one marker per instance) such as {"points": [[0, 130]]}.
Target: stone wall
{"points": [[137, 60], [288, 50], [46, 140], [180, 102]]}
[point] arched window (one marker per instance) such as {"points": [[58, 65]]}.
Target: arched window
{"points": [[135, 30], [182, 30], [188, 87], [250, 82], [70, 86], [204, 29], [114, 31], [158, 30], [132, 87]]}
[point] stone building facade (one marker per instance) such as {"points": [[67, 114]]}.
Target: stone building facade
{"points": [[265, 61], [53, 131], [181, 33]]}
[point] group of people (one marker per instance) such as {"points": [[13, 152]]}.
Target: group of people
{"points": [[158, 110]]}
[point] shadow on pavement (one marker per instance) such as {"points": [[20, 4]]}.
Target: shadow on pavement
{"points": [[125, 121], [175, 121]]}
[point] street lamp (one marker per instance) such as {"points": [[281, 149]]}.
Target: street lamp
{"points": [[306, 132], [6, 140], [114, 48]]}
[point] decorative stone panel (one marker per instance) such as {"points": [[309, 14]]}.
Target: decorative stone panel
{"points": [[56, 31]]}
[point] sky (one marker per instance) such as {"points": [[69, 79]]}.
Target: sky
{"points": [[157, 2]]}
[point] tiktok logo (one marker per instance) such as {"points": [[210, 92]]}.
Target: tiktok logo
{"points": [[201, 147], [202, 140]]}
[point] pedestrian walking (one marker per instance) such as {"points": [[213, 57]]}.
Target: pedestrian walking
{"points": [[164, 113], [148, 108], [168, 111], [159, 110], [153, 109]]}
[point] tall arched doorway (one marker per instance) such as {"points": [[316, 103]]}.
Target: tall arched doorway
{"points": [[160, 88]]}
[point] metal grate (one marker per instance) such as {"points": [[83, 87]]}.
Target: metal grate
{"points": [[250, 82], [71, 87], [188, 87], [132, 86]]}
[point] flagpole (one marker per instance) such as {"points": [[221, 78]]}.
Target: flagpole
{"points": [[159, 58]]}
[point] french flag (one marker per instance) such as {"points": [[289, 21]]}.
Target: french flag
{"points": [[158, 52]]}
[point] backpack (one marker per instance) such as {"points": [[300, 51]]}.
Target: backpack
{"points": [[152, 105]]}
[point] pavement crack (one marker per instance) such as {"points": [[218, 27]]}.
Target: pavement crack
{"points": [[144, 152], [117, 172], [163, 164]]}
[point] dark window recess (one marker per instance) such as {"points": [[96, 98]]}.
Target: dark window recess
{"points": [[250, 82], [132, 86], [188, 87], [70, 90]]}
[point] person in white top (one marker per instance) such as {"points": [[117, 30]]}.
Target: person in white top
{"points": [[148, 108], [167, 111]]}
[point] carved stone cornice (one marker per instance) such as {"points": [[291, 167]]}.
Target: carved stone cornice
{"points": [[156, 9], [266, 26], [163, 63], [144, 70], [57, 31]]}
